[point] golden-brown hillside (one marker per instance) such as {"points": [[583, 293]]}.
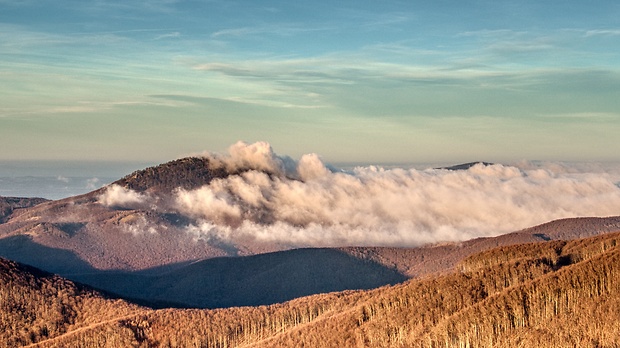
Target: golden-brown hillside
{"points": [[547, 294], [36, 305]]}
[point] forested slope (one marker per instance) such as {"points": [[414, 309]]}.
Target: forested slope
{"points": [[36, 305], [548, 294]]}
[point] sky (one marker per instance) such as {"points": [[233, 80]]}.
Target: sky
{"points": [[354, 81]]}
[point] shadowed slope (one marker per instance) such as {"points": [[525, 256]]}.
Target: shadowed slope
{"points": [[55, 260], [252, 280]]}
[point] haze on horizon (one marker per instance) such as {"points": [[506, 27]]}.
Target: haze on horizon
{"points": [[373, 82]]}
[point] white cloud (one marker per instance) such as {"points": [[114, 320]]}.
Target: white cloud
{"points": [[257, 156], [171, 35], [272, 198], [313, 206], [118, 196], [603, 32]]}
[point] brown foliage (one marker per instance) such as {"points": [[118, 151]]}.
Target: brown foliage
{"points": [[550, 294], [187, 173], [36, 305]]}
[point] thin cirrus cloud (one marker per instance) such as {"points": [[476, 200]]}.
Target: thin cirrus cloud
{"points": [[171, 35], [603, 32], [278, 30], [359, 65]]}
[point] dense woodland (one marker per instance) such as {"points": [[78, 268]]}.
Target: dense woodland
{"points": [[187, 173], [547, 294], [36, 305]]}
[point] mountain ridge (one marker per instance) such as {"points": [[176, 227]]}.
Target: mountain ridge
{"points": [[546, 294], [84, 239]]}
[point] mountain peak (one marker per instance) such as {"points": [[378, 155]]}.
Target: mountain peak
{"points": [[187, 173], [465, 166]]}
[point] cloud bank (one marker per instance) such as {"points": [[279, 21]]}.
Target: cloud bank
{"points": [[274, 198]]}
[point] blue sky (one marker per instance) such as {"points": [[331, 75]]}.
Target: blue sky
{"points": [[354, 81]]}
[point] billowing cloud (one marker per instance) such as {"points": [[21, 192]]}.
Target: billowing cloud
{"points": [[258, 156], [118, 196], [303, 203]]}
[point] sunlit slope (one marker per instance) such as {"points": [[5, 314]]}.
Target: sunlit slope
{"points": [[554, 294], [548, 294], [36, 306]]}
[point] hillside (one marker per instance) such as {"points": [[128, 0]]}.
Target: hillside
{"points": [[9, 204], [546, 294], [36, 305]]}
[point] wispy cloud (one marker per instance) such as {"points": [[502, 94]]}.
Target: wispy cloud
{"points": [[24, 40], [279, 30], [565, 47], [602, 32], [348, 74], [171, 35], [349, 20]]}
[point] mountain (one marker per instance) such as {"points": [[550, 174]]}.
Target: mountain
{"points": [[128, 239], [547, 294], [280, 276], [82, 234], [79, 234]]}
